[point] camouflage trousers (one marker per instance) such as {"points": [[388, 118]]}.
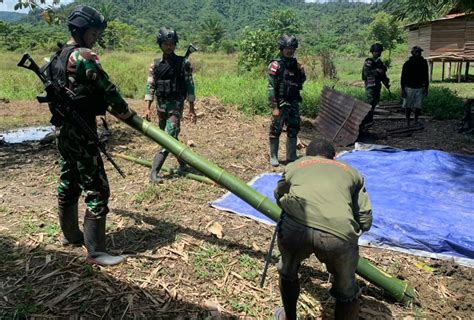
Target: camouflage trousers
{"points": [[169, 116], [373, 95], [289, 116], [373, 98], [81, 170]]}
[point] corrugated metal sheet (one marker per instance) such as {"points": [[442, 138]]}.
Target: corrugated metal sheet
{"points": [[340, 116]]}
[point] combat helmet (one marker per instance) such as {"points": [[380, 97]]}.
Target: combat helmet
{"points": [[166, 34], [83, 17], [376, 47], [287, 41]]}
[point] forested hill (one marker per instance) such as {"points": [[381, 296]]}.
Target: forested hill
{"points": [[187, 16], [11, 16], [211, 24]]}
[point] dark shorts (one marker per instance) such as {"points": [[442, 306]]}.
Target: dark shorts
{"points": [[297, 242]]}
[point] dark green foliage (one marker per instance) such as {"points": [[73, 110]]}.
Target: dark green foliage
{"points": [[443, 103], [26, 36], [425, 10], [11, 16]]}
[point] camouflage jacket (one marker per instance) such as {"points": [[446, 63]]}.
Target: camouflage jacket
{"points": [[285, 81], [174, 84], [87, 78], [371, 76]]}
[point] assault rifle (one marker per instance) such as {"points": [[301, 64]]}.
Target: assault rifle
{"points": [[62, 102], [191, 48]]}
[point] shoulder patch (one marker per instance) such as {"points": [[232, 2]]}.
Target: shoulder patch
{"points": [[368, 62], [273, 67]]}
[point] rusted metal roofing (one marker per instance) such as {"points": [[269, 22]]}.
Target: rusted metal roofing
{"points": [[340, 116]]}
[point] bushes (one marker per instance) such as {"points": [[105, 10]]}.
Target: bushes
{"points": [[443, 103]]}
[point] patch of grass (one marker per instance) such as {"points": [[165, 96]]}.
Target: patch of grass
{"points": [[250, 267], [242, 304], [51, 230], [150, 193], [210, 262], [29, 226]]}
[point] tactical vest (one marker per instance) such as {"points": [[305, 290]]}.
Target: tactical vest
{"points": [[371, 78], [169, 78], [289, 80]]}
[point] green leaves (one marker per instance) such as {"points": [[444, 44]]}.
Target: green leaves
{"points": [[425, 10]]}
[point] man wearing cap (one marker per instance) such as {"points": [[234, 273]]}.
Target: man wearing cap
{"points": [[414, 82], [170, 80]]}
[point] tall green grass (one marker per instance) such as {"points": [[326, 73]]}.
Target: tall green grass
{"points": [[217, 75]]}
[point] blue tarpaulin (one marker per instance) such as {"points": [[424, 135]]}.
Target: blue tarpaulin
{"points": [[423, 201]]}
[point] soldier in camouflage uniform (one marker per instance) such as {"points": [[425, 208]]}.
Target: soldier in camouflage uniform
{"points": [[374, 73], [82, 169], [170, 79], [285, 81]]}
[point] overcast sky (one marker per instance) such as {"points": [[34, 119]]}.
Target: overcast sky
{"points": [[8, 5]]}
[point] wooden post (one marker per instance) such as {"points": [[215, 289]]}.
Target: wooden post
{"points": [[459, 71], [466, 77], [431, 70], [449, 70], [442, 73]]}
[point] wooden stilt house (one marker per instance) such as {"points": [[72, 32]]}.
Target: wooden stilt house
{"points": [[449, 40]]}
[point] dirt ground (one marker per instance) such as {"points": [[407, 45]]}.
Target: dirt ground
{"points": [[179, 266]]}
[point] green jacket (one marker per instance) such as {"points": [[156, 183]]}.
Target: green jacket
{"points": [[325, 194]]}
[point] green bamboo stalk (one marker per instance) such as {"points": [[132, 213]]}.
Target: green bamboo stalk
{"points": [[400, 290], [147, 163]]}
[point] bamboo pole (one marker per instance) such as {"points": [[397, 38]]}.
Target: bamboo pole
{"points": [[147, 163], [400, 290]]}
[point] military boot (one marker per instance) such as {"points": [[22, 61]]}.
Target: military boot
{"points": [[291, 149], [156, 165], [347, 310], [68, 220], [274, 144], [94, 232], [182, 166]]}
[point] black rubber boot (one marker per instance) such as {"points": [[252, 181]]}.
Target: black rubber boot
{"points": [[289, 291], [182, 166], [274, 144], [291, 149], [94, 232], [156, 165], [68, 220], [347, 310]]}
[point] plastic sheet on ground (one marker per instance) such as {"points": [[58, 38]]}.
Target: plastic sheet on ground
{"points": [[423, 201]]}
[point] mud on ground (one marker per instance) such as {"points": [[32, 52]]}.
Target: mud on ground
{"points": [[177, 267]]}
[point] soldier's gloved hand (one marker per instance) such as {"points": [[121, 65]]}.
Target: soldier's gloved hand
{"points": [[404, 93], [275, 112], [425, 91]]}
